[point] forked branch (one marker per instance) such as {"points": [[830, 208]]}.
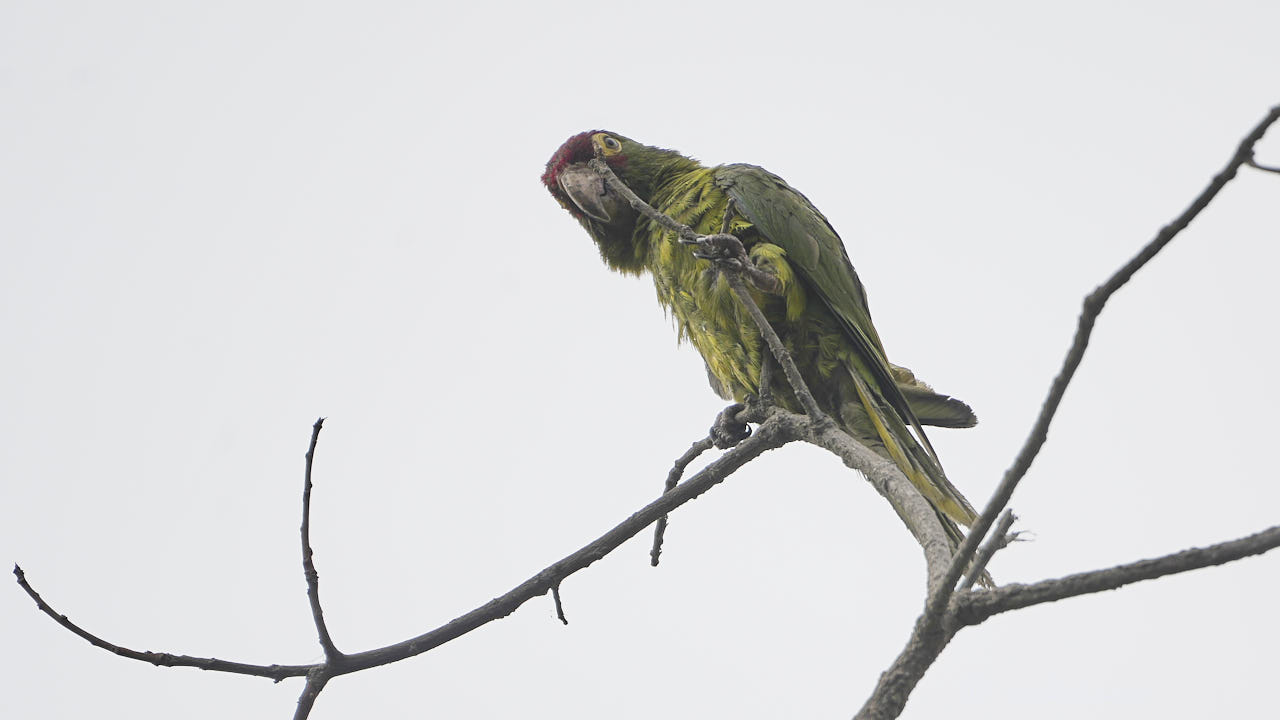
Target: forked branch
{"points": [[940, 621]]}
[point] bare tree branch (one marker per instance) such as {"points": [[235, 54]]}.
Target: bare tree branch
{"points": [[779, 351], [973, 608], [331, 652], [1265, 168], [319, 676], [275, 672], [936, 626], [555, 596], [316, 680], [768, 436], [997, 540], [673, 479], [1093, 304], [912, 507]]}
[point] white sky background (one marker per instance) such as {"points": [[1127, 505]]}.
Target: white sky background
{"points": [[219, 222]]}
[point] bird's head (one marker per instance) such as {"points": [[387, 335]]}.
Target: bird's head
{"points": [[576, 187], [606, 216]]}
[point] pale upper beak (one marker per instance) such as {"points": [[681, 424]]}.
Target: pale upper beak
{"points": [[588, 191]]}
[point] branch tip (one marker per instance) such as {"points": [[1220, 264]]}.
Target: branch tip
{"points": [[673, 479], [997, 541], [332, 655], [555, 595]]}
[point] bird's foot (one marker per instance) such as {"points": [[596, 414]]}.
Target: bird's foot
{"points": [[728, 430], [726, 252], [723, 249]]}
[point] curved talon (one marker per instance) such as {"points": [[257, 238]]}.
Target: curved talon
{"points": [[728, 431], [720, 246]]}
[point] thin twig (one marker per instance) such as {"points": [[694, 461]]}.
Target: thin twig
{"points": [[555, 595], [673, 478], [779, 350], [331, 653], [763, 392], [1265, 168], [275, 672], [602, 169], [997, 540]]}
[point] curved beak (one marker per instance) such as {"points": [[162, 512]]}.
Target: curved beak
{"points": [[587, 190]]}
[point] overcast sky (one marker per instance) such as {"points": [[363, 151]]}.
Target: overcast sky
{"points": [[219, 221]]}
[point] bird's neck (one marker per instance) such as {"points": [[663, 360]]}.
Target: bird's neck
{"points": [[656, 172]]}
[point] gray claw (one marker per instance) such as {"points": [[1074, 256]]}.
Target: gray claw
{"points": [[728, 431]]}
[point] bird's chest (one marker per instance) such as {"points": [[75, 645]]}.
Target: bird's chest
{"points": [[708, 316]]}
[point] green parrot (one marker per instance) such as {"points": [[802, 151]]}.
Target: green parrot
{"points": [[807, 289]]}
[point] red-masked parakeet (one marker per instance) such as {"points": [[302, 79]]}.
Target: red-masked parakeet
{"points": [[814, 299]]}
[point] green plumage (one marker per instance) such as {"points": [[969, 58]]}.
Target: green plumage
{"points": [[819, 310]]}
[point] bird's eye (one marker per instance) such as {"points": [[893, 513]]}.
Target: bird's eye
{"points": [[611, 144]]}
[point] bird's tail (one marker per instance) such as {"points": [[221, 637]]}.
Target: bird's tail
{"points": [[916, 459]]}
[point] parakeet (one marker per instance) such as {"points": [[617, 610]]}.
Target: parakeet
{"points": [[814, 299]]}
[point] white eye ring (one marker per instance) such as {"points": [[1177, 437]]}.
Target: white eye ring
{"points": [[611, 144]]}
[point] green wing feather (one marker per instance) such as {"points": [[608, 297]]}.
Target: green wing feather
{"points": [[787, 219]]}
